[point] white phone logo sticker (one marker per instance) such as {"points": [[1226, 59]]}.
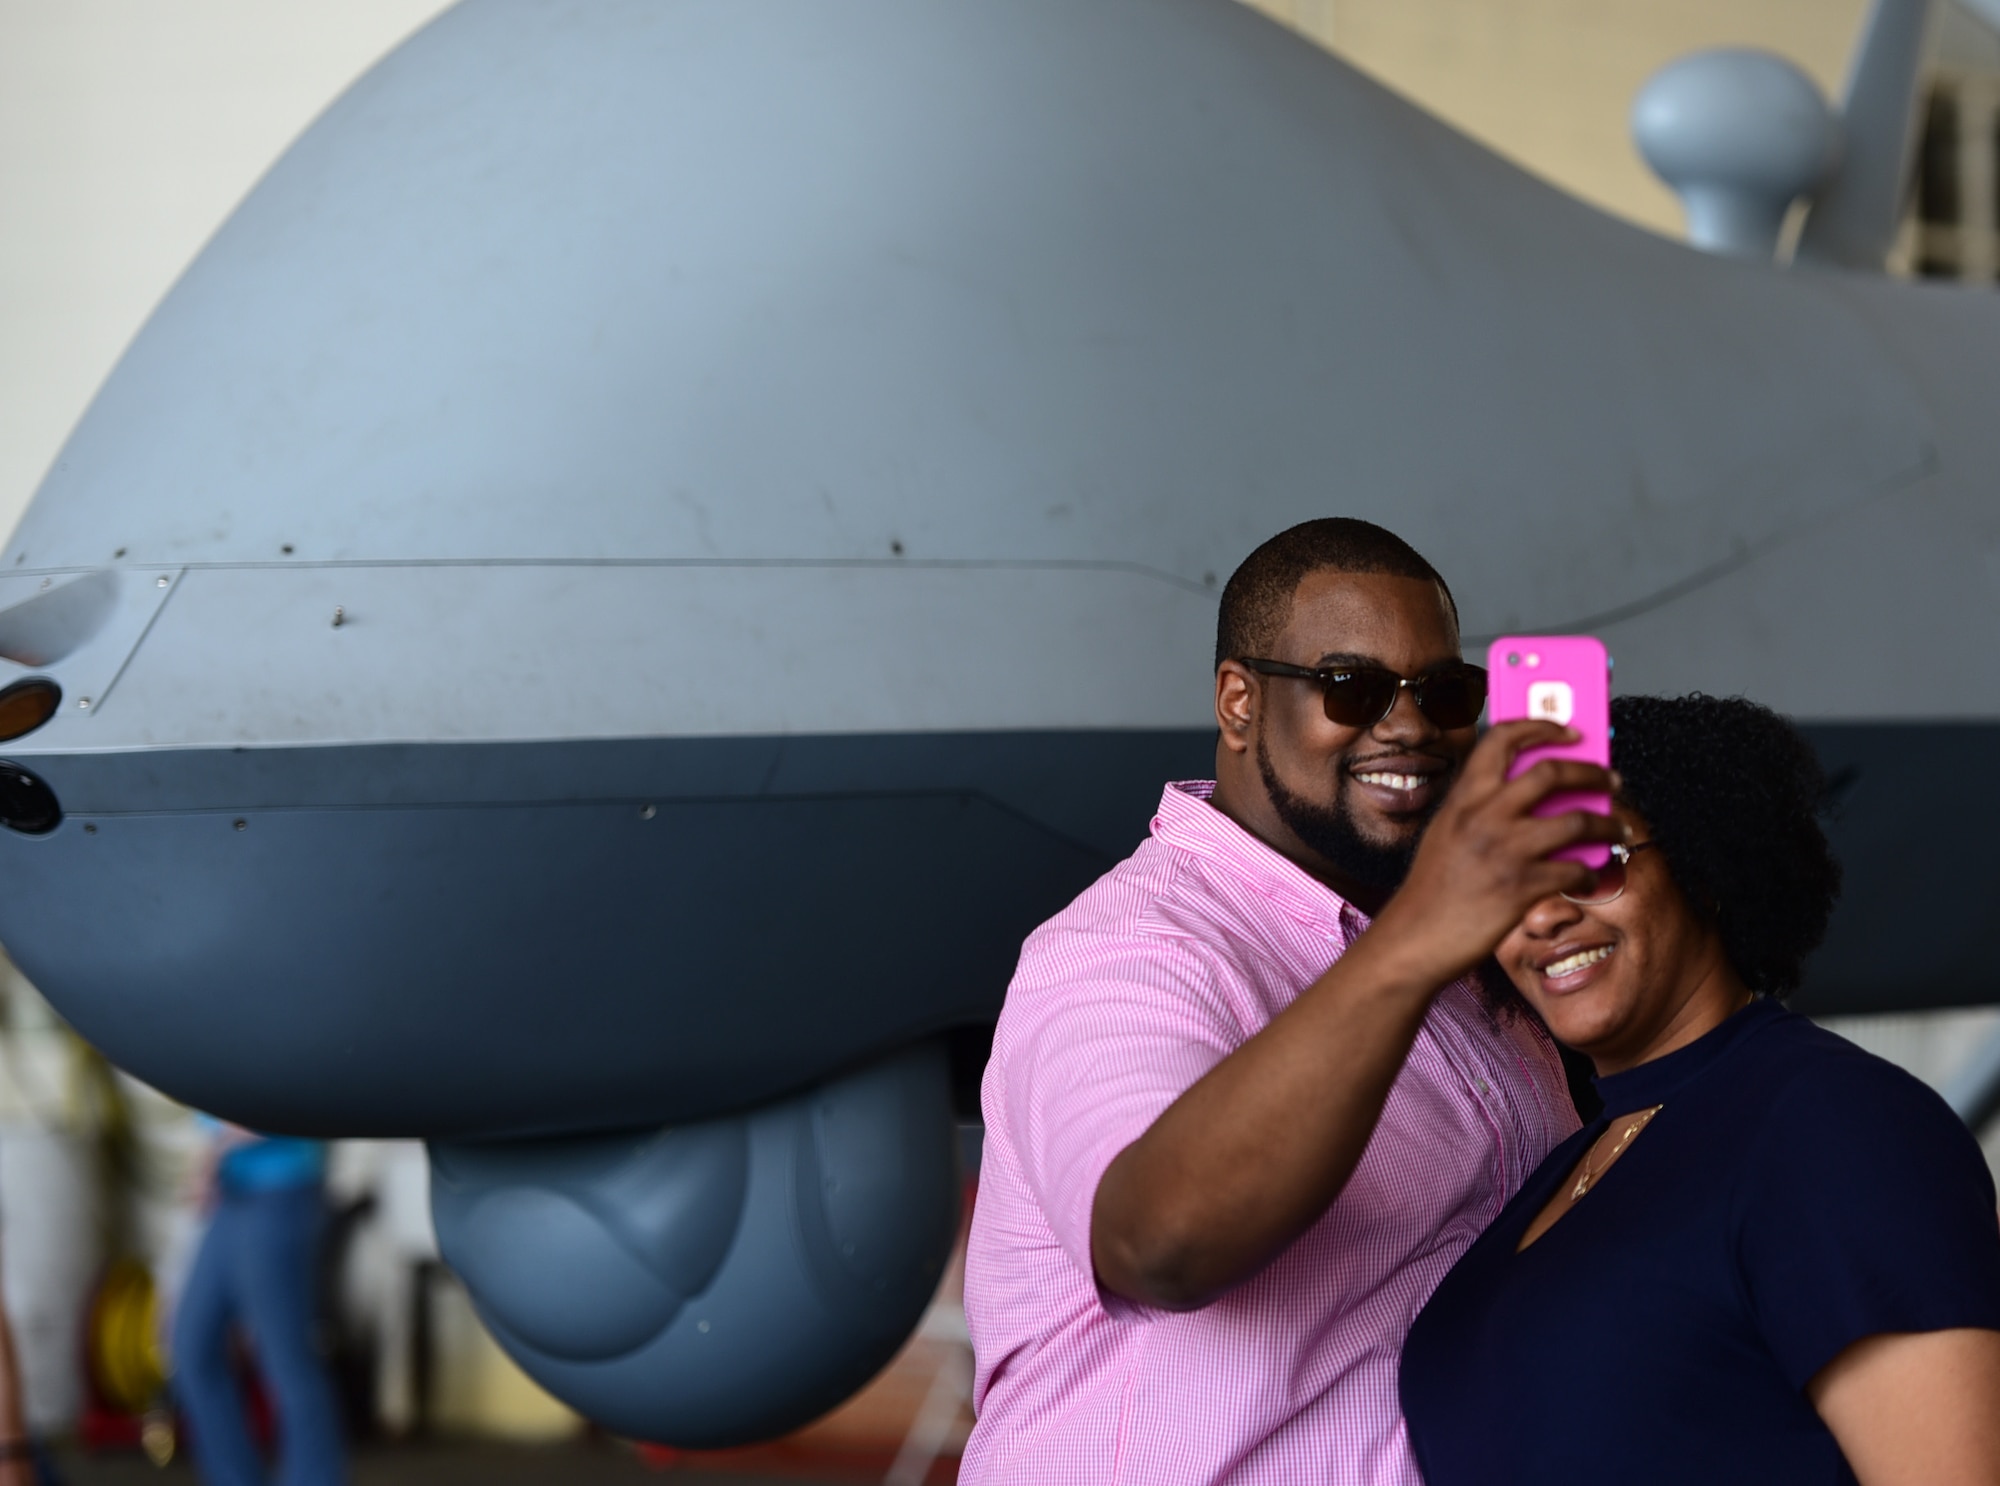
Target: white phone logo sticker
{"points": [[1551, 701]]}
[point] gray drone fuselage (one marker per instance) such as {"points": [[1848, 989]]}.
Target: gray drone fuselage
{"points": [[660, 541]]}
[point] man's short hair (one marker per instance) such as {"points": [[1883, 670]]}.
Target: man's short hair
{"points": [[1257, 600]]}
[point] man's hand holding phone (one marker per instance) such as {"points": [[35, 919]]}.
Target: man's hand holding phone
{"points": [[1488, 857]]}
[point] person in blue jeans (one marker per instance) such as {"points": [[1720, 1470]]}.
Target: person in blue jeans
{"points": [[257, 1269]]}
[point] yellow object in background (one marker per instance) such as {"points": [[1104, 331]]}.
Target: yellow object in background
{"points": [[122, 1343]]}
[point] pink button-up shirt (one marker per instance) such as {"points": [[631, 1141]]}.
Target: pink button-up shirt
{"points": [[1158, 972]]}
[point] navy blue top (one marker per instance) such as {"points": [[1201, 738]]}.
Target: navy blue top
{"points": [[1794, 1194]]}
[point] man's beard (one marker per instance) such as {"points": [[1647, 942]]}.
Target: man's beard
{"points": [[1330, 831]]}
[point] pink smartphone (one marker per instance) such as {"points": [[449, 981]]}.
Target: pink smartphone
{"points": [[1557, 678]]}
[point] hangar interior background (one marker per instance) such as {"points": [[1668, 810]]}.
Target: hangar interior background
{"points": [[128, 131]]}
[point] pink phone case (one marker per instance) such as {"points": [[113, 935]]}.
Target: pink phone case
{"points": [[1566, 679]]}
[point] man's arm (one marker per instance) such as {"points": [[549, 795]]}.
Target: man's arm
{"points": [[1249, 1157]]}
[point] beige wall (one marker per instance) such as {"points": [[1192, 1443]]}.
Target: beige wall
{"points": [[1549, 82]]}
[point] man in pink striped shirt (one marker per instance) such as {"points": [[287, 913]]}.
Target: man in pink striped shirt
{"points": [[1245, 1107]]}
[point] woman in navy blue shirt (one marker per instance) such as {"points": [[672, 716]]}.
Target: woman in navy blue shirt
{"points": [[1774, 1258]]}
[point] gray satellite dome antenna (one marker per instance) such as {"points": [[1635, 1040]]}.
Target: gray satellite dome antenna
{"points": [[1739, 135]]}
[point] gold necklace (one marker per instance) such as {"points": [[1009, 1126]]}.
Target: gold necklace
{"points": [[1590, 1174]]}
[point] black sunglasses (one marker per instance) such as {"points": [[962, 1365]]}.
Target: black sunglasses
{"points": [[1451, 695]]}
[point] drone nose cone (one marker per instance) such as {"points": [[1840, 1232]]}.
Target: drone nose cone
{"points": [[1739, 135]]}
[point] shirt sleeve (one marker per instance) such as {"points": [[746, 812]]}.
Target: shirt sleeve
{"points": [[1868, 1208], [1100, 1035]]}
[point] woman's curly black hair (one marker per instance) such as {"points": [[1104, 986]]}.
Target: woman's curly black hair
{"points": [[1733, 794]]}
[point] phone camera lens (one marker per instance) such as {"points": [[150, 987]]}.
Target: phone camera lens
{"points": [[1513, 657]]}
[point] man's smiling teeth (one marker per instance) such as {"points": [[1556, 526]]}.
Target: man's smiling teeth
{"points": [[1570, 964], [1393, 781]]}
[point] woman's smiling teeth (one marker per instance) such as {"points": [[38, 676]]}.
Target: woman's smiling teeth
{"points": [[1392, 781], [1582, 959]]}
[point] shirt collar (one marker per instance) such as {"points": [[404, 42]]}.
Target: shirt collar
{"points": [[1188, 821], [1655, 1082]]}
